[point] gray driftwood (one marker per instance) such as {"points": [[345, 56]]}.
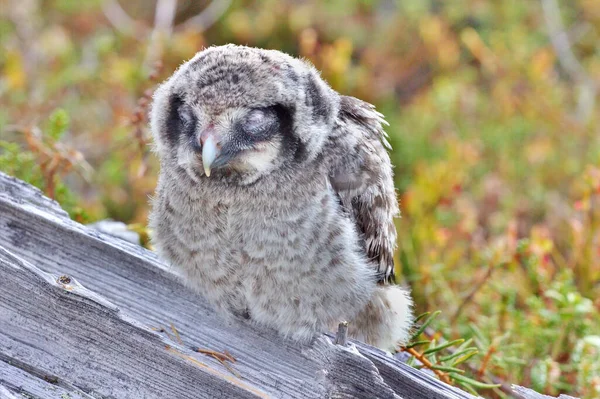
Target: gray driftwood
{"points": [[86, 315]]}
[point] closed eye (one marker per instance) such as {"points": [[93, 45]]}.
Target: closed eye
{"points": [[260, 121], [186, 115], [173, 124], [181, 121]]}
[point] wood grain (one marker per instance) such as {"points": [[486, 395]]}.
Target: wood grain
{"points": [[83, 314]]}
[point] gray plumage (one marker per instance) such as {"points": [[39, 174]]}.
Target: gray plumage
{"points": [[275, 197]]}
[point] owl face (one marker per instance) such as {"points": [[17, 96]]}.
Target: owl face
{"points": [[238, 114]]}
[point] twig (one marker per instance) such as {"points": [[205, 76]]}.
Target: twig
{"points": [[218, 355], [209, 15], [225, 352], [161, 329], [177, 337], [138, 119], [215, 355], [163, 27], [165, 15], [504, 386], [471, 294], [53, 158], [221, 357], [426, 363], [164, 18], [486, 359], [227, 366], [119, 19], [341, 338], [560, 41]]}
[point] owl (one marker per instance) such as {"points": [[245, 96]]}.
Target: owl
{"points": [[275, 198]]}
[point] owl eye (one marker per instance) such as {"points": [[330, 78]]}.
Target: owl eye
{"points": [[259, 121], [174, 125], [186, 115], [181, 122]]}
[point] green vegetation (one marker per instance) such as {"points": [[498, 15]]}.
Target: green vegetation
{"points": [[496, 147]]}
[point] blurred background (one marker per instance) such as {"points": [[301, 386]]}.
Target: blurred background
{"points": [[493, 112]]}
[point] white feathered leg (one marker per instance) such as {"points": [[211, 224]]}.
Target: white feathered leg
{"points": [[387, 319]]}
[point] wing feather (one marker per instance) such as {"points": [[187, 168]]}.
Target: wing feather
{"points": [[361, 174]]}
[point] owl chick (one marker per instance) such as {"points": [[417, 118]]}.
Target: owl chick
{"points": [[275, 197]]}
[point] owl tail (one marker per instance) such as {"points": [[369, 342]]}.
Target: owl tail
{"points": [[387, 319]]}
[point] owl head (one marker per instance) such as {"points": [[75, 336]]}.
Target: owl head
{"points": [[241, 113]]}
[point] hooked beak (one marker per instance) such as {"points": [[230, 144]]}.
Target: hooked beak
{"points": [[210, 151]]}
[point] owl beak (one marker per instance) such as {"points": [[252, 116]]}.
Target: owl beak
{"points": [[210, 151]]}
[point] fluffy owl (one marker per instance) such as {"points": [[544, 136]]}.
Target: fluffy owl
{"points": [[275, 197]]}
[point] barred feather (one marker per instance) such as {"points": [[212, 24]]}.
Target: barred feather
{"points": [[362, 177]]}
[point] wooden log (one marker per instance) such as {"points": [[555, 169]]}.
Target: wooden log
{"points": [[83, 314]]}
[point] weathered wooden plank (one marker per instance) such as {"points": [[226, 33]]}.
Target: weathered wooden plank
{"points": [[22, 193], [136, 282], [413, 383], [88, 330], [20, 380], [139, 292], [51, 324]]}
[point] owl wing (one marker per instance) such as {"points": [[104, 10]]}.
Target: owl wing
{"points": [[361, 175]]}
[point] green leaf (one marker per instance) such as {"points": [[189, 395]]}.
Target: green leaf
{"points": [[459, 353], [447, 369], [469, 389], [417, 343], [421, 316], [483, 341], [464, 358], [444, 346], [58, 123], [474, 383], [466, 345], [425, 324]]}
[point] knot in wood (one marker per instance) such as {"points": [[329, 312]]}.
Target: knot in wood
{"points": [[64, 279]]}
